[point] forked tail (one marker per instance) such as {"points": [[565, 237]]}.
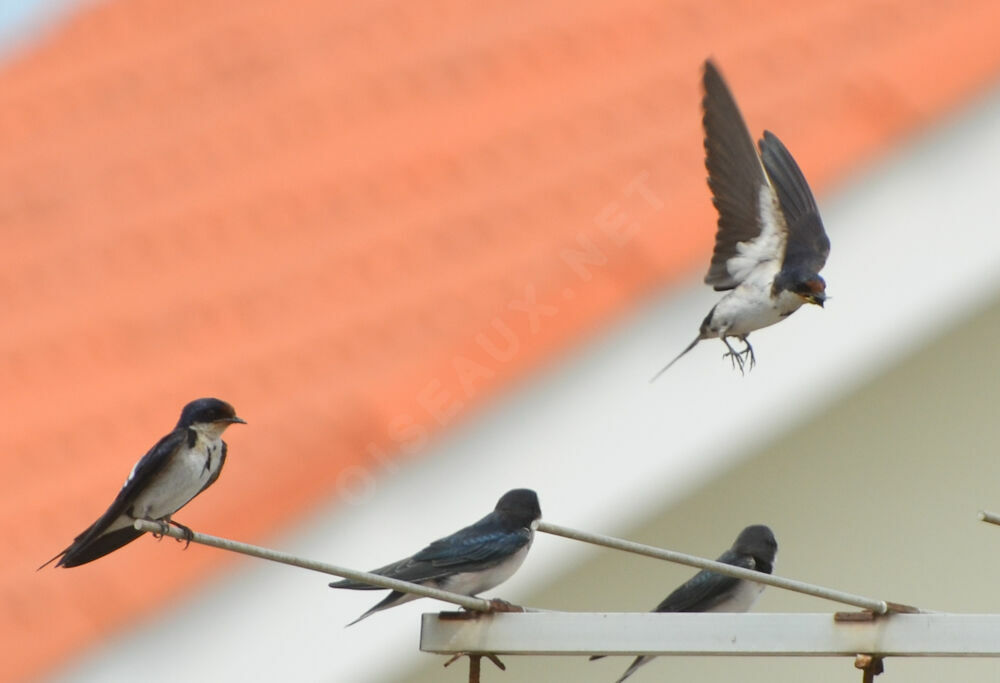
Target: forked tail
{"points": [[689, 347]]}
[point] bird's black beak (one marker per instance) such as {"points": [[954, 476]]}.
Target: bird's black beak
{"points": [[234, 419], [817, 299]]}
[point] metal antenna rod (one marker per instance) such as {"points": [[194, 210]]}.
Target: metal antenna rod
{"points": [[876, 606], [991, 517], [470, 603]]}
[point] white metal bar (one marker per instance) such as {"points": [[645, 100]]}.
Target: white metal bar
{"points": [[476, 604], [652, 633], [991, 517], [877, 606]]}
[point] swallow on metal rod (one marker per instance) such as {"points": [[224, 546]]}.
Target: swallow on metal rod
{"points": [[177, 468], [472, 560], [755, 548]]}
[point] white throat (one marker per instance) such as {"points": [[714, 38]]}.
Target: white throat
{"points": [[210, 431]]}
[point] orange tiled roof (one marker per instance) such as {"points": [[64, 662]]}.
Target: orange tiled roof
{"points": [[345, 217]]}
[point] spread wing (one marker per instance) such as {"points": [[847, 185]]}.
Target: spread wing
{"points": [[807, 245], [475, 548], [750, 228], [705, 589]]}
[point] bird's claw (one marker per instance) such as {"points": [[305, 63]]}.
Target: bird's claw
{"points": [[735, 360], [164, 527], [187, 533], [744, 359]]}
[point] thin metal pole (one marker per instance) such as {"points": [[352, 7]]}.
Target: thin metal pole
{"points": [[470, 603], [876, 606], [991, 517]]}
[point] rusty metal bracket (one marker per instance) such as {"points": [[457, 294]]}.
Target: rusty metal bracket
{"points": [[868, 615], [475, 659], [495, 605], [498, 605], [870, 665]]}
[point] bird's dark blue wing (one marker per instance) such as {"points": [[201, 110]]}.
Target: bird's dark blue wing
{"points": [[705, 589], [807, 246], [142, 474], [735, 176], [481, 546], [473, 549], [462, 553], [144, 471]]}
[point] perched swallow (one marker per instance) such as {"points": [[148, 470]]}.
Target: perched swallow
{"points": [[470, 561], [706, 591], [770, 244], [180, 466]]}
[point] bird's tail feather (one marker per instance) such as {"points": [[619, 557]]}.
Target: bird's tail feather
{"points": [[352, 585], [82, 553], [394, 598], [677, 358], [53, 559], [639, 661]]}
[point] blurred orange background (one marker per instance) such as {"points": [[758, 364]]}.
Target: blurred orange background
{"points": [[358, 221]]}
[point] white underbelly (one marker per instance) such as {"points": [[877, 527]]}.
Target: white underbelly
{"points": [[748, 308], [474, 583], [742, 599], [178, 483]]}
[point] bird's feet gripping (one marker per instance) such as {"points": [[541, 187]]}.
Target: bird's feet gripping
{"points": [[743, 359], [164, 528], [164, 524], [188, 534]]}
